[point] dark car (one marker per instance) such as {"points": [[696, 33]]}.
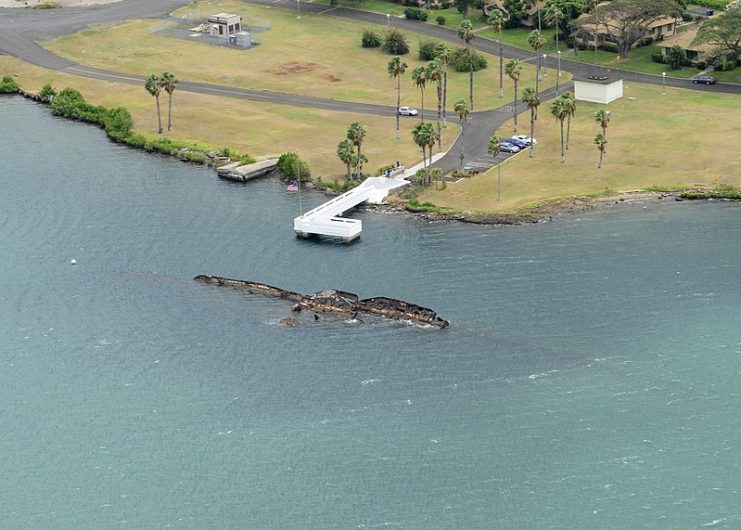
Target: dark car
{"points": [[517, 142], [507, 147], [704, 79]]}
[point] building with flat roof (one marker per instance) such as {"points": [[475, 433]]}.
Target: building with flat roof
{"points": [[598, 88], [224, 24]]}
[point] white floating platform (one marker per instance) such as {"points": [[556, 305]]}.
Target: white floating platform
{"points": [[324, 219]]}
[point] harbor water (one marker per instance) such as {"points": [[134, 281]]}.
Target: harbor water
{"points": [[588, 379]]}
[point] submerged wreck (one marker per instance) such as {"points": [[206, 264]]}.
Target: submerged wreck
{"points": [[332, 301]]}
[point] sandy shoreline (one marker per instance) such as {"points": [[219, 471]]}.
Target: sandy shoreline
{"points": [[62, 3]]}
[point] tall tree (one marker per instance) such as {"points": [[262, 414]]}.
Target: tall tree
{"points": [[442, 53], [627, 21], [558, 110], [602, 117], [560, 13], [419, 77], [346, 153], [419, 135], [496, 21], [396, 69], [152, 85], [356, 133], [493, 148], [431, 138], [461, 108], [570, 105], [168, 82], [532, 100], [723, 30], [600, 141], [435, 73], [536, 42], [513, 70], [466, 34]]}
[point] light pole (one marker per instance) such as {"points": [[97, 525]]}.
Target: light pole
{"points": [[663, 83], [298, 8], [388, 20], [558, 75], [545, 63]]}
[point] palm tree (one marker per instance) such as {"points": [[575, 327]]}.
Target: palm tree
{"points": [[513, 69], [461, 108], [435, 73], [532, 100], [168, 83], [600, 141], [419, 134], [559, 111], [466, 34], [442, 53], [496, 20], [396, 68], [152, 85], [431, 138], [356, 133], [554, 16], [602, 116], [419, 77], [536, 41], [346, 153], [570, 113], [493, 148]]}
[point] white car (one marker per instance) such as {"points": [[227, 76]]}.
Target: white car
{"points": [[408, 111], [526, 139]]}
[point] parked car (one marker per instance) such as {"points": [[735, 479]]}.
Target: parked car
{"points": [[408, 111], [704, 79], [528, 141], [518, 143], [507, 147]]}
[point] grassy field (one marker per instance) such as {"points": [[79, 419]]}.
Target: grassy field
{"points": [[249, 127], [308, 56], [668, 140]]}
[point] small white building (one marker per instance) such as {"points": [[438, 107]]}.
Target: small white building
{"points": [[224, 24], [598, 88]]}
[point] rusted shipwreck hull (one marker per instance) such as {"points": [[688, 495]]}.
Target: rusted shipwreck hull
{"points": [[337, 301]]}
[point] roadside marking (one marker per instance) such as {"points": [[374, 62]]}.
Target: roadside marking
{"points": [[102, 74], [327, 10]]}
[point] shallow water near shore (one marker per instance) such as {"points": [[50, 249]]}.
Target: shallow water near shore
{"points": [[589, 378]]}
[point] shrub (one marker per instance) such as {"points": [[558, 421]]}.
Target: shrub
{"points": [[8, 85], [371, 39], [293, 167], [47, 92], [687, 17], [118, 122], [657, 57], [462, 58], [445, 4], [440, 20], [414, 13], [427, 50], [676, 57], [395, 42]]}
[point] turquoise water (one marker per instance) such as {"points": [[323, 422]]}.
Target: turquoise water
{"points": [[589, 378]]}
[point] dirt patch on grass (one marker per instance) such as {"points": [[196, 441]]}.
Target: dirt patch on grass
{"points": [[334, 78], [294, 67]]}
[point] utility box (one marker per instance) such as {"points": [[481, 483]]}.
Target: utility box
{"points": [[242, 39]]}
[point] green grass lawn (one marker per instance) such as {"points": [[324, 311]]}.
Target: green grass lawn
{"points": [[319, 59], [655, 140]]}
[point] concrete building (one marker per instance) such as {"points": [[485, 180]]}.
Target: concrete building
{"points": [[598, 88], [224, 24]]}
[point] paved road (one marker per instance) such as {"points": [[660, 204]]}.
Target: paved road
{"points": [[21, 28]]}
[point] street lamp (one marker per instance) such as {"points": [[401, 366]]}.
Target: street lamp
{"points": [[388, 20], [558, 75], [545, 63], [663, 83], [298, 8]]}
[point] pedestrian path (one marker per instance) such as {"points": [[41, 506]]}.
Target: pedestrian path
{"points": [[325, 219]]}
